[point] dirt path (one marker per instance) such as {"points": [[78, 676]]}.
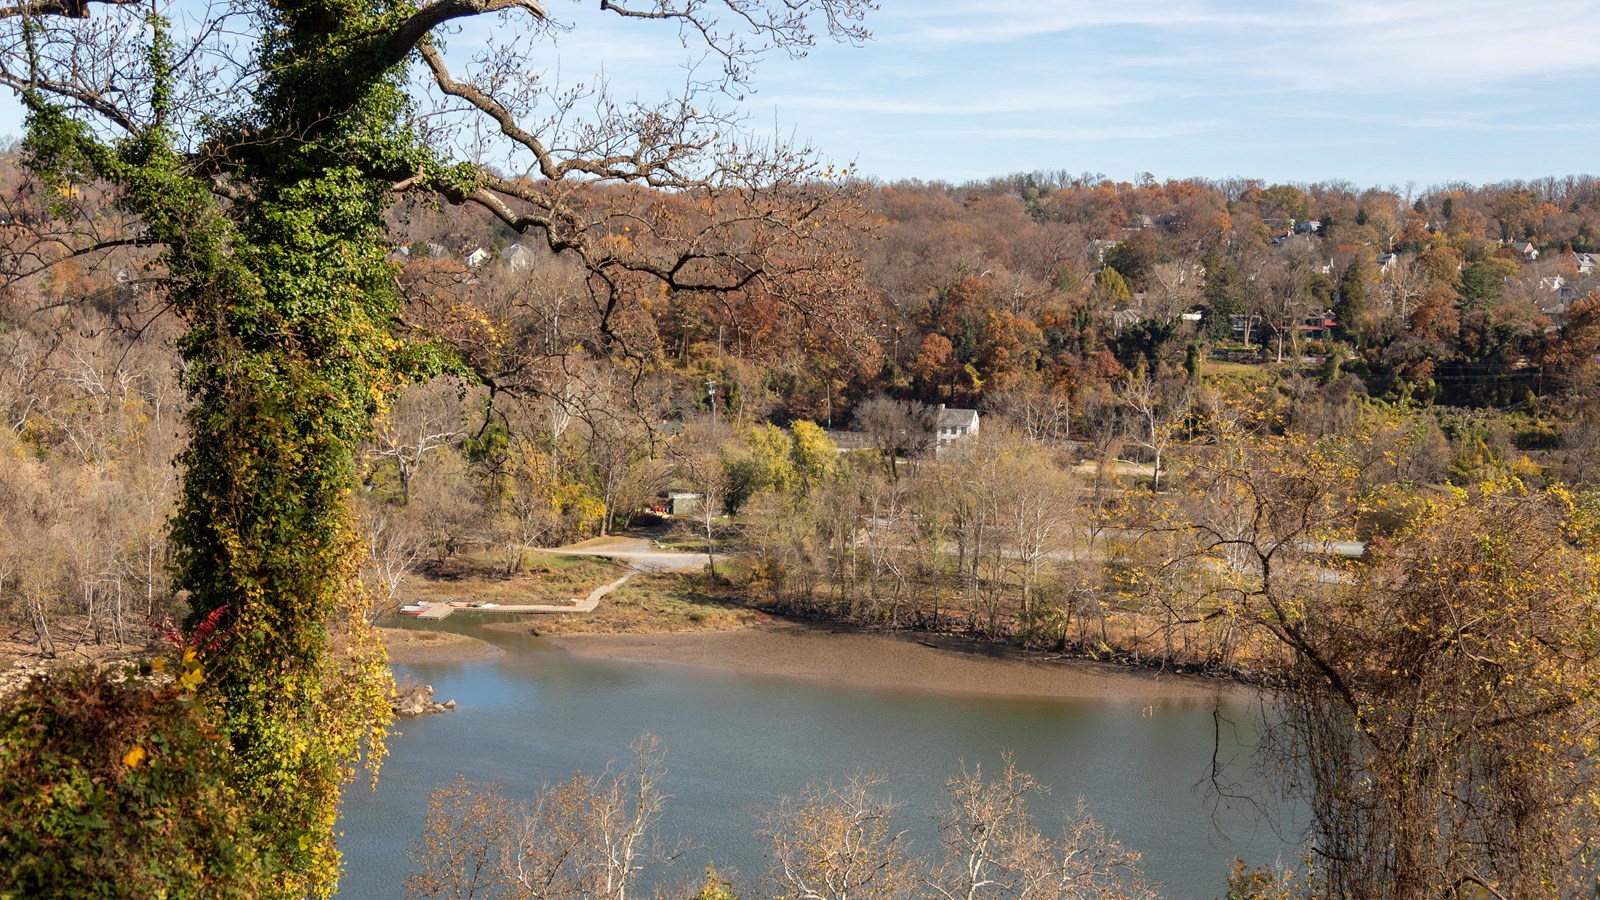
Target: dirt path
{"points": [[638, 552]]}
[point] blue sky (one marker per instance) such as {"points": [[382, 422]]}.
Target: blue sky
{"points": [[1377, 93], [1373, 92]]}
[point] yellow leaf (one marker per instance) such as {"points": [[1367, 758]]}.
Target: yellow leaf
{"points": [[133, 757]]}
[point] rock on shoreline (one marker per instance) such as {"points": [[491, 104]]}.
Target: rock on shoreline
{"points": [[417, 700]]}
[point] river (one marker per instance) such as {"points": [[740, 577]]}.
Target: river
{"points": [[737, 743]]}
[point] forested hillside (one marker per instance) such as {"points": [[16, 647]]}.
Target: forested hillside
{"points": [[1088, 318]]}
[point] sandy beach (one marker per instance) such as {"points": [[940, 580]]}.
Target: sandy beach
{"points": [[895, 661]]}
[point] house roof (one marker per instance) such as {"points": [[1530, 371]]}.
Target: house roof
{"points": [[957, 418]]}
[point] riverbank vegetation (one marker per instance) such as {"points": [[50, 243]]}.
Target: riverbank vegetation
{"points": [[1168, 508], [231, 174]]}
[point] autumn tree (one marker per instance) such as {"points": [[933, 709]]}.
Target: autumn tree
{"points": [[1438, 698], [1571, 358], [1445, 706], [934, 367], [1111, 289]]}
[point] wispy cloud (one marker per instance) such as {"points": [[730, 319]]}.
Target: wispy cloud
{"points": [[963, 105], [1082, 133], [1322, 45]]}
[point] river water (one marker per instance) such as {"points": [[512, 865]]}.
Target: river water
{"points": [[737, 743]]}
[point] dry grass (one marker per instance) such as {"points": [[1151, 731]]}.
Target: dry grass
{"points": [[550, 579], [658, 603]]}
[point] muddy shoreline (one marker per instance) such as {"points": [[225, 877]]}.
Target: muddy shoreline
{"points": [[920, 662], [410, 645]]}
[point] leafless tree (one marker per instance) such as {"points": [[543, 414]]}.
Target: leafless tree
{"points": [[1157, 412], [897, 428], [697, 462], [995, 848], [587, 837], [1174, 289], [838, 843], [394, 547], [1037, 414], [422, 421]]}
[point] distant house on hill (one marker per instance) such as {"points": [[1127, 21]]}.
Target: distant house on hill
{"points": [[1554, 307], [1096, 250], [478, 257], [517, 257], [952, 425], [1586, 263], [1317, 327], [1527, 251]]}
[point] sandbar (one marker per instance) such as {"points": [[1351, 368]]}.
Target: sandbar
{"points": [[915, 662], [407, 645]]}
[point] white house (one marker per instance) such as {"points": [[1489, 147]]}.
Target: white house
{"points": [[517, 257], [954, 424]]}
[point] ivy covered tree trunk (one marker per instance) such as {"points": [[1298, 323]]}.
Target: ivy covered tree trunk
{"points": [[289, 354], [284, 387]]}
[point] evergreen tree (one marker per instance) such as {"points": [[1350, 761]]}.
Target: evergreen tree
{"points": [[1350, 306], [1222, 297]]}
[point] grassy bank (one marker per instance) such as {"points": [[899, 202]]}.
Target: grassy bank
{"points": [[549, 578], [657, 603]]}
